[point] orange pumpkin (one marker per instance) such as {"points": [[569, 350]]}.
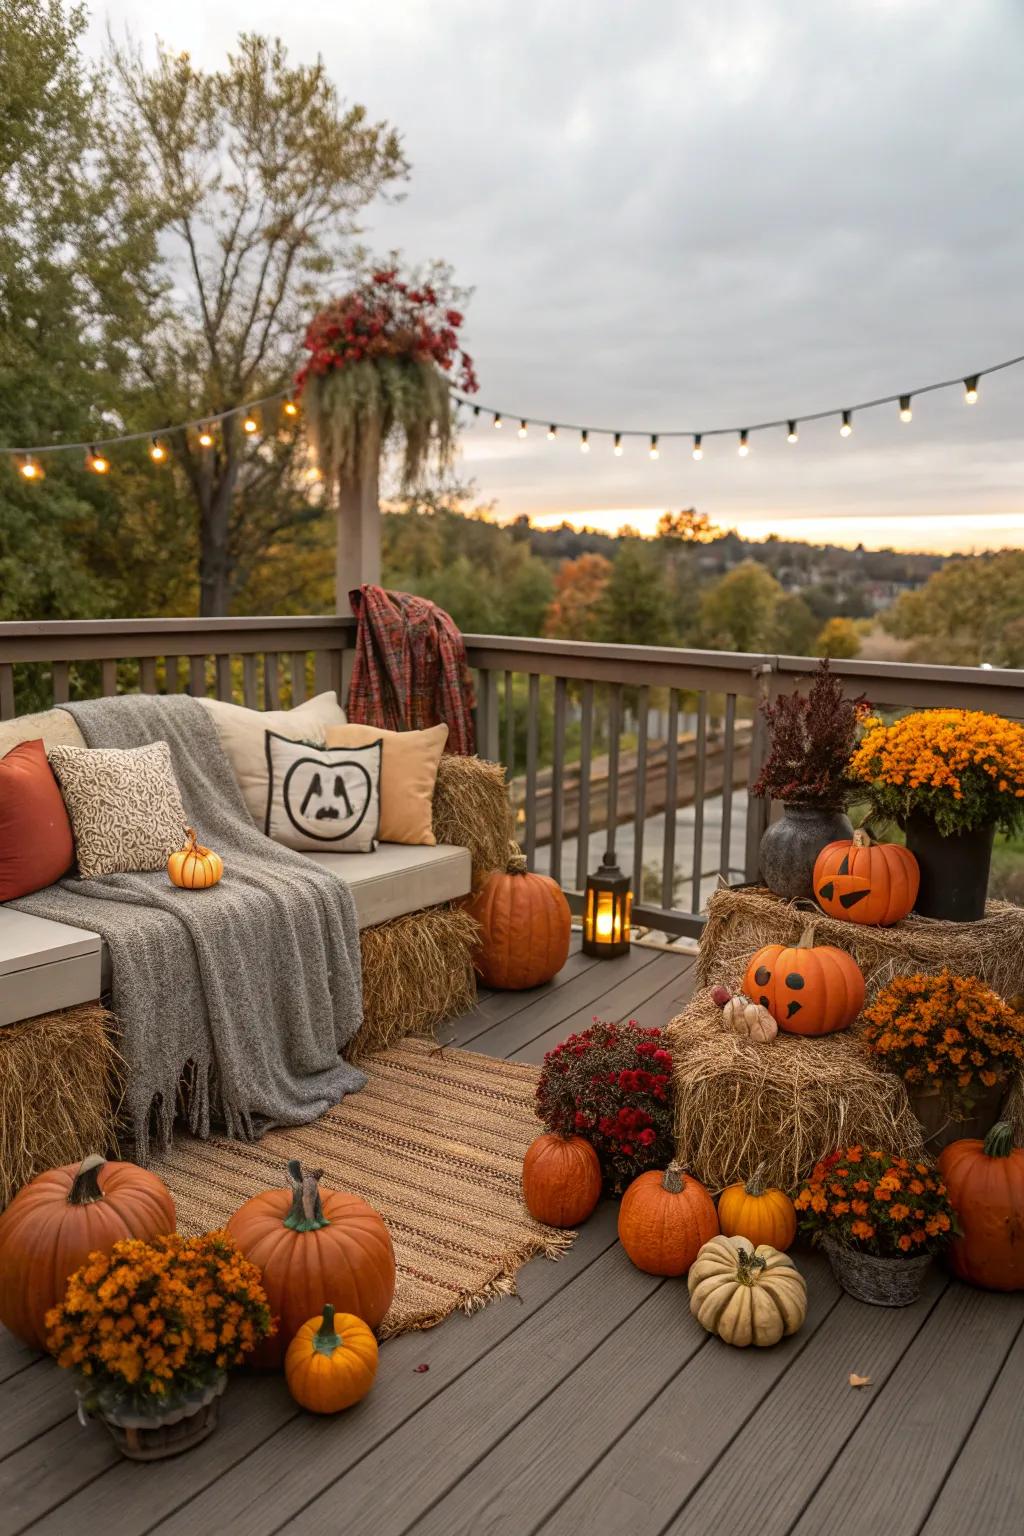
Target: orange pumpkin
{"points": [[194, 867], [561, 1180], [864, 882], [758, 1213], [55, 1222], [525, 926], [312, 1244], [331, 1362], [808, 989], [985, 1181], [664, 1221]]}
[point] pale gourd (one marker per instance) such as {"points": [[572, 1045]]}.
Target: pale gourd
{"points": [[745, 1017], [746, 1295]]}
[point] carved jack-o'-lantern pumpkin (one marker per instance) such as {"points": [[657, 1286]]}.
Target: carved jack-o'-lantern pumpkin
{"points": [[865, 882], [808, 989]]}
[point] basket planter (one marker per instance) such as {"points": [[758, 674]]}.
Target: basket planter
{"points": [[185, 1422], [954, 869], [943, 1121], [879, 1282], [790, 846]]}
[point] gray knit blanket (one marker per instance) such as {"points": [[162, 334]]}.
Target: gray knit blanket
{"points": [[239, 998]]}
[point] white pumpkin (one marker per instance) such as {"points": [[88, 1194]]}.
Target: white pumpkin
{"points": [[745, 1017], [746, 1295]]}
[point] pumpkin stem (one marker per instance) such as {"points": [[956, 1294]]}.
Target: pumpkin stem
{"points": [[326, 1339], [190, 840], [806, 939], [748, 1264], [860, 838], [999, 1141], [755, 1185], [85, 1189], [517, 864], [673, 1180], [307, 1212]]}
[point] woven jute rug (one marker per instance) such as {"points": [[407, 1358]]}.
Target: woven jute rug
{"points": [[435, 1143]]}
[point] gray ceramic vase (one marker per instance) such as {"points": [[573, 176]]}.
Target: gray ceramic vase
{"points": [[790, 846]]}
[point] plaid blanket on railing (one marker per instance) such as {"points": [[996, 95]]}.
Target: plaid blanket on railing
{"points": [[410, 668]]}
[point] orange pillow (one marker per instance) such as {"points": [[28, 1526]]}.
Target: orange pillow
{"points": [[36, 846], [408, 773]]}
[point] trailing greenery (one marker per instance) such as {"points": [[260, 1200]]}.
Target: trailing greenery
{"points": [[356, 412]]}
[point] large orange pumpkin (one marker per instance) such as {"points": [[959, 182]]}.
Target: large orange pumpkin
{"points": [[985, 1181], [665, 1219], [331, 1362], [525, 925], [561, 1180], [55, 1222], [314, 1247], [864, 882], [808, 989], [758, 1213]]}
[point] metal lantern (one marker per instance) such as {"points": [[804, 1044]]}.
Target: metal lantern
{"points": [[606, 911]]}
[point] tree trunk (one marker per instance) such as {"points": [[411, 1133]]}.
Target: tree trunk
{"points": [[357, 550], [215, 488]]}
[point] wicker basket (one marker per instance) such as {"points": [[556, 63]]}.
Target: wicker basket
{"points": [[177, 1429], [879, 1282]]}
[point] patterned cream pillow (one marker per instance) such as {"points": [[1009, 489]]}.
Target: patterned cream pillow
{"points": [[124, 804]]}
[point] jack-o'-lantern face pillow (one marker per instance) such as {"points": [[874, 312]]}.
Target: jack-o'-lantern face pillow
{"points": [[808, 989]]}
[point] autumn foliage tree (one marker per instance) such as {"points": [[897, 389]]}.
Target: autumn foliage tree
{"points": [[576, 608]]}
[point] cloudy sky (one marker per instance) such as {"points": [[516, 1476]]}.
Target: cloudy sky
{"points": [[700, 214]]}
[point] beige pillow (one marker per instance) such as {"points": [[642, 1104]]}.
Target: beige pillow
{"points": [[323, 799], [124, 805], [407, 777], [243, 731]]}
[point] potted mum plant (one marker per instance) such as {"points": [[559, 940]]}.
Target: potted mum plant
{"points": [[880, 1219], [955, 1043], [151, 1330], [612, 1084], [813, 737], [949, 778]]}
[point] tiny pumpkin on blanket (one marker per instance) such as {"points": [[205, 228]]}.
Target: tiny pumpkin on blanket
{"points": [[194, 867], [745, 1017]]}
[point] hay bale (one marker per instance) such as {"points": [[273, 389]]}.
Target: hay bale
{"points": [[782, 1106], [471, 809], [417, 973], [742, 921], [59, 1090]]}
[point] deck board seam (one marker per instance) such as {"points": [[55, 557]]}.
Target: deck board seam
{"points": [[474, 1041]]}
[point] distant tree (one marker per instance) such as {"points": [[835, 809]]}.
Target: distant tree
{"points": [[575, 610], [738, 612], [839, 638], [967, 613], [636, 608], [795, 626], [688, 527]]}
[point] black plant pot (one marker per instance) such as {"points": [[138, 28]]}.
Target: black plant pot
{"points": [[954, 870], [790, 846]]}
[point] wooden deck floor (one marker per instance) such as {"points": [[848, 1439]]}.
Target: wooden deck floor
{"points": [[591, 1403]]}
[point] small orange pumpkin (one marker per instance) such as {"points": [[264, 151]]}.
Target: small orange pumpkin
{"points": [[808, 989], [665, 1219], [859, 881], [331, 1362], [311, 1244], [758, 1213], [194, 867], [55, 1222], [985, 1183], [525, 927], [561, 1180]]}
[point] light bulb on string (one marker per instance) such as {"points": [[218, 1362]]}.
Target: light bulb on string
{"points": [[476, 410], [617, 445], [584, 441], [314, 474], [157, 451], [97, 462], [971, 390], [744, 444], [498, 422], [698, 450], [290, 408], [653, 450], [250, 424], [906, 414], [792, 435], [522, 429], [31, 469], [205, 437], [847, 425], [552, 433]]}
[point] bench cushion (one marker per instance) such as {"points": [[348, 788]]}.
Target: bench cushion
{"points": [[53, 727]]}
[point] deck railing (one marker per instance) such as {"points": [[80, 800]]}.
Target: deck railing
{"points": [[648, 751]]}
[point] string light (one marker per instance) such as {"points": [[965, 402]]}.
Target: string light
{"points": [[476, 408], [157, 451], [290, 408], [31, 469], [497, 422], [552, 433], [584, 441], [791, 433], [97, 462], [653, 450], [206, 438], [971, 389], [250, 425], [698, 451], [744, 446], [617, 445], [522, 429], [314, 474], [906, 414], [847, 426]]}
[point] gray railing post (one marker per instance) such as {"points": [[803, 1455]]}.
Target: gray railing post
{"points": [[758, 810]]}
